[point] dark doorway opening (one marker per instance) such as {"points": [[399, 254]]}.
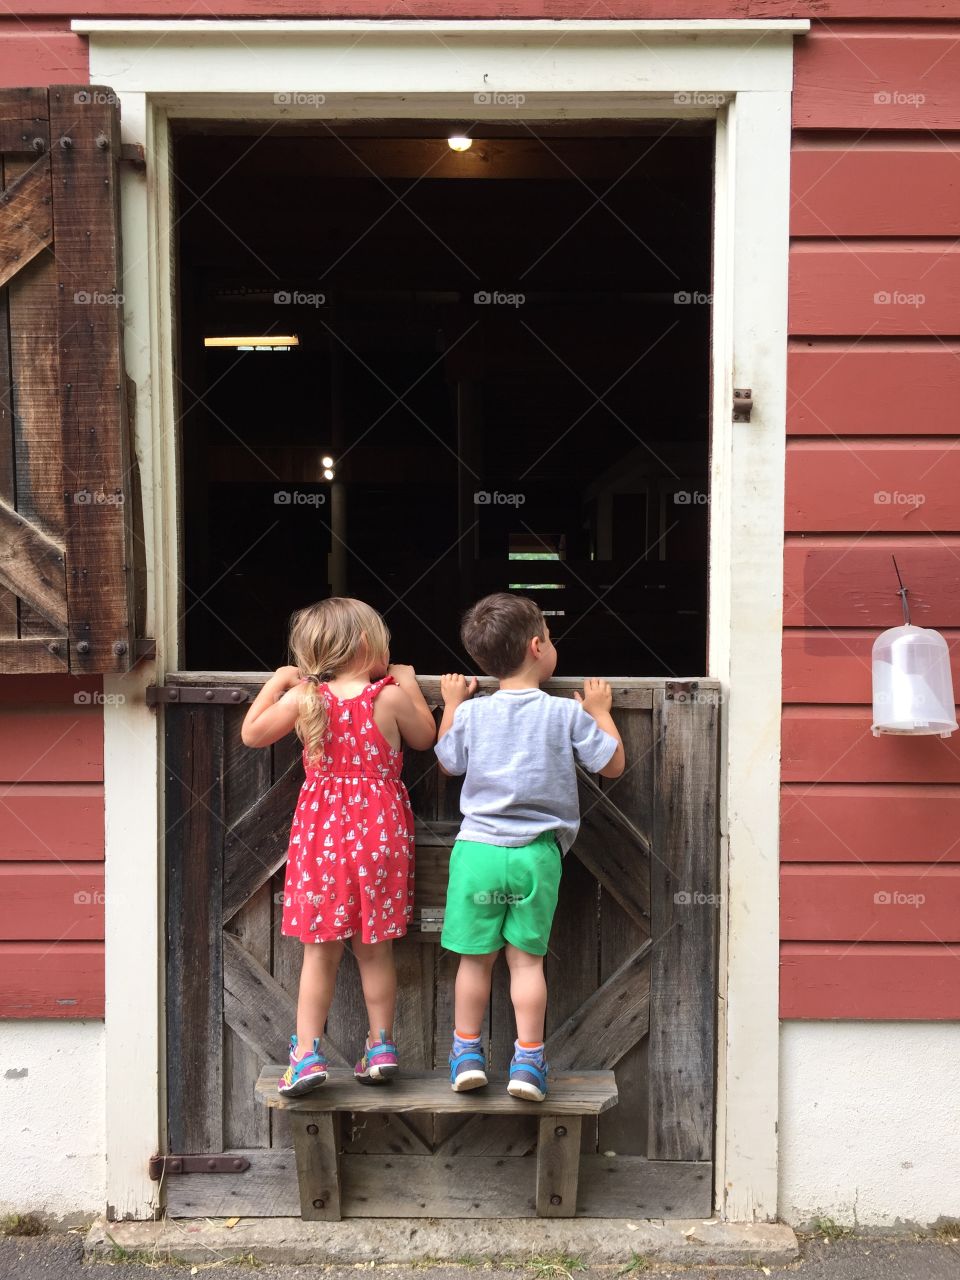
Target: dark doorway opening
{"points": [[497, 378]]}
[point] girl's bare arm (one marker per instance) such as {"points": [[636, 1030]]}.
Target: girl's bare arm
{"points": [[407, 705], [274, 710]]}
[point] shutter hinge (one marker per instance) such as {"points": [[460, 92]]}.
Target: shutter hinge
{"points": [[156, 693], [742, 403], [160, 1166], [680, 690], [132, 153]]}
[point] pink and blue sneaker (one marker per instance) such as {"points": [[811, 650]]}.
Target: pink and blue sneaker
{"points": [[303, 1074], [379, 1063], [468, 1067], [528, 1074]]}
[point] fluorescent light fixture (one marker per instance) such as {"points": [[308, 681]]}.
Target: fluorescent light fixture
{"points": [[459, 142], [265, 340]]}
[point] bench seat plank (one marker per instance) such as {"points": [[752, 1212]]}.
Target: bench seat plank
{"points": [[571, 1093]]}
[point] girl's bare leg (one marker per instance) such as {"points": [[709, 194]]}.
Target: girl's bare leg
{"points": [[528, 992], [318, 977], [378, 977], [472, 992]]}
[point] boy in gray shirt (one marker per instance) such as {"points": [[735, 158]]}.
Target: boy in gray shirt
{"points": [[518, 749]]}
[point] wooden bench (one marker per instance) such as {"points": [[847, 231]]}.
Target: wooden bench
{"points": [[315, 1121]]}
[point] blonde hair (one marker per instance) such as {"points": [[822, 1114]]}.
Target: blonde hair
{"points": [[326, 638]]}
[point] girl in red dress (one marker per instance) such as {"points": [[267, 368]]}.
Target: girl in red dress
{"points": [[350, 860]]}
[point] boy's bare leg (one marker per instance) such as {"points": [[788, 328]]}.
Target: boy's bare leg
{"points": [[472, 992], [528, 992]]}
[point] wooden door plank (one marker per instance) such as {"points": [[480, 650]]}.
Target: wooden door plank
{"points": [[26, 225], [194, 809], [684, 908], [246, 774], [32, 654], [433, 1186], [624, 1129], [24, 123], [93, 403], [255, 846], [614, 851]]}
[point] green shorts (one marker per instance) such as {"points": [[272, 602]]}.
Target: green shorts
{"points": [[497, 894]]}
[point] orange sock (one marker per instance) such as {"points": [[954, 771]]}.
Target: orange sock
{"points": [[466, 1035], [533, 1044]]}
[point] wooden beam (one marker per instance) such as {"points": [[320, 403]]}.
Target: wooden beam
{"points": [[26, 223], [613, 850], [255, 846], [32, 566], [33, 655], [558, 1166], [24, 126], [609, 1023]]}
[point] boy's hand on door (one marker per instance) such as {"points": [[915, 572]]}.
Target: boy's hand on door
{"points": [[597, 698], [454, 689]]}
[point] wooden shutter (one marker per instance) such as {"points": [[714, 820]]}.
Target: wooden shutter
{"points": [[66, 490]]}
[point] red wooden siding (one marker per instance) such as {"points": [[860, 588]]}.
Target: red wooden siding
{"points": [[51, 847], [870, 827], [869, 823], [38, 52]]}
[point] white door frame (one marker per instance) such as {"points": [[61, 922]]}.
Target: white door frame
{"points": [[738, 72]]}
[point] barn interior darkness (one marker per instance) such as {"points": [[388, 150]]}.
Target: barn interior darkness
{"points": [[447, 373]]}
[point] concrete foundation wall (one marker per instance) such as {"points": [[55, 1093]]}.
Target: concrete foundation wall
{"points": [[869, 1123], [52, 1119]]}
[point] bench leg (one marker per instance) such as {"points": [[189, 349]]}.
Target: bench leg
{"points": [[316, 1144], [558, 1166]]}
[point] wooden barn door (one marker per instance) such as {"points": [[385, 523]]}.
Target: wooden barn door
{"points": [[632, 974], [68, 492]]}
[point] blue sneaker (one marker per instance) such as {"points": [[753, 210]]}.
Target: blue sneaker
{"points": [[303, 1074], [467, 1065], [528, 1074]]}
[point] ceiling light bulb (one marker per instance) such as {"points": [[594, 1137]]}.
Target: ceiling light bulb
{"points": [[326, 460], [327, 473], [459, 142]]}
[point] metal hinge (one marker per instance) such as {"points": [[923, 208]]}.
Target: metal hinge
{"points": [[132, 153], [159, 1166], [188, 693], [742, 403], [431, 919], [680, 690]]}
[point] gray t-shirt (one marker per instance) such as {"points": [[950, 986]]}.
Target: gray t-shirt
{"points": [[518, 749]]}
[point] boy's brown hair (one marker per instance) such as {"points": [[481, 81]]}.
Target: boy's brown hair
{"points": [[497, 629]]}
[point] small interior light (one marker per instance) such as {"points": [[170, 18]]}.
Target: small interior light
{"points": [[327, 473], [459, 142], [326, 460], [260, 340]]}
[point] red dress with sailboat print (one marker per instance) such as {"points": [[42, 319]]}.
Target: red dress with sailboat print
{"points": [[350, 858]]}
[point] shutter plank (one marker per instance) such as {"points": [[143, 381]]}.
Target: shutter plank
{"points": [[96, 454], [31, 565], [26, 224], [24, 125]]}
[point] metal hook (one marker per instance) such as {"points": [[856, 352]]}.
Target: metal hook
{"points": [[902, 593]]}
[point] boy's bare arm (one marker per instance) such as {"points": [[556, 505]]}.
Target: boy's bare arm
{"points": [[454, 689], [597, 701]]}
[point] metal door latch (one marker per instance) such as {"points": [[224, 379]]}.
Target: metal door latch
{"points": [[742, 403]]}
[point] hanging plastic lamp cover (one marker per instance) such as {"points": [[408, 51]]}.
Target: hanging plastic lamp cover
{"points": [[912, 685]]}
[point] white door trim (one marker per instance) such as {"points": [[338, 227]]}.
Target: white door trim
{"points": [[739, 72]]}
